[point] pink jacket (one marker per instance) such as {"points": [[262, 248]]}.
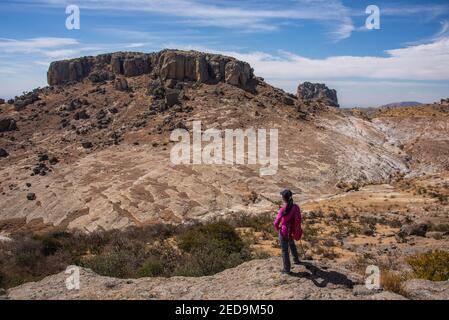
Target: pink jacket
{"points": [[284, 224]]}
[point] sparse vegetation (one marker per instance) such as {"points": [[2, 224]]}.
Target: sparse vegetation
{"points": [[432, 265], [260, 223], [443, 227], [158, 250], [391, 281]]}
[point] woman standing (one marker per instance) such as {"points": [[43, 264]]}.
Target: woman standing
{"points": [[286, 223]]}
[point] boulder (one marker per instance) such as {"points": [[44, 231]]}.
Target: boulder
{"points": [[7, 124], [41, 169], [28, 98], [317, 92], [53, 160], [414, 229], [121, 84], [3, 153], [31, 196], [42, 157], [81, 115], [426, 290], [113, 110], [288, 100], [171, 97], [98, 76], [157, 90], [2, 101], [87, 145], [238, 73]]}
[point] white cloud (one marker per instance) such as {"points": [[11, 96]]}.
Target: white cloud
{"points": [[247, 16], [444, 31], [352, 75], [428, 11], [419, 72], [34, 44], [425, 62]]}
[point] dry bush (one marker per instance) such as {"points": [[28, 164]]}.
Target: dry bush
{"points": [[431, 265], [392, 281]]}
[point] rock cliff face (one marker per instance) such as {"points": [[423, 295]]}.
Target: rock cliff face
{"points": [[317, 92], [167, 64]]}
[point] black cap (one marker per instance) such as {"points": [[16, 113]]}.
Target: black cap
{"points": [[286, 194]]}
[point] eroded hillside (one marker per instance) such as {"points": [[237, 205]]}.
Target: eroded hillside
{"points": [[93, 150]]}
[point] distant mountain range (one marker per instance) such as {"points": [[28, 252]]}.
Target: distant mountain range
{"points": [[402, 104]]}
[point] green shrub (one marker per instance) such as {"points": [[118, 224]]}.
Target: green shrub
{"points": [[432, 265], [210, 259], [111, 265], [260, 223], [27, 259], [151, 268], [50, 245], [220, 234], [211, 248], [309, 232], [202, 250]]}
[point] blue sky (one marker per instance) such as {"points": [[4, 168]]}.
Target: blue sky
{"points": [[287, 42]]}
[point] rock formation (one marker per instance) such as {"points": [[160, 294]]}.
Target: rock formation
{"points": [[7, 124], [257, 279], [166, 64], [308, 91], [3, 153]]}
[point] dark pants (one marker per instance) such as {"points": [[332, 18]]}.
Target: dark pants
{"points": [[285, 244]]}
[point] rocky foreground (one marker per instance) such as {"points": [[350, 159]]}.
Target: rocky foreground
{"points": [[257, 279]]}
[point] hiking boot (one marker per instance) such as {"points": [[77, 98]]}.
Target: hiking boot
{"points": [[296, 262], [285, 271]]}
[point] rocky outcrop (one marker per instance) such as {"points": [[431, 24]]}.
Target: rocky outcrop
{"points": [[308, 91], [65, 71], [121, 84], [166, 64], [426, 290], [28, 98], [3, 153], [7, 124], [419, 230], [257, 279]]}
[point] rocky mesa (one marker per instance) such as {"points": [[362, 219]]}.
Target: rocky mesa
{"points": [[166, 64]]}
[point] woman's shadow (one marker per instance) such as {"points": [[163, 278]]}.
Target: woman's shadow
{"points": [[321, 278]]}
